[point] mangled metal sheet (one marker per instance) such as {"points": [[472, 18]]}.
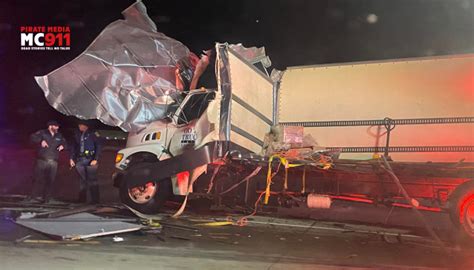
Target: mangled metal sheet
{"points": [[127, 77], [252, 55], [78, 226]]}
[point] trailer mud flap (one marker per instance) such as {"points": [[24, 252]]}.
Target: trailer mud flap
{"points": [[143, 173]]}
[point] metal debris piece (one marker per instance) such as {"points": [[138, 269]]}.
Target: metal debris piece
{"points": [[78, 226], [127, 77], [19, 240], [145, 216], [27, 215], [118, 239]]}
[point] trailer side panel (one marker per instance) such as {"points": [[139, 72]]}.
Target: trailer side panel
{"points": [[404, 89]]}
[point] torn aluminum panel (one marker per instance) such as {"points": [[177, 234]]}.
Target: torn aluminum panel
{"points": [[78, 226], [252, 54], [255, 56], [127, 77]]}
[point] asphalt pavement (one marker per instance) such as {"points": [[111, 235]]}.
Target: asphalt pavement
{"points": [[264, 243]]}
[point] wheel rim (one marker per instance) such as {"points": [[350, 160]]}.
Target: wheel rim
{"points": [[143, 194]]}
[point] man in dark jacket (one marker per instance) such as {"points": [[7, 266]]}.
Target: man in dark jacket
{"points": [[49, 143], [85, 151]]}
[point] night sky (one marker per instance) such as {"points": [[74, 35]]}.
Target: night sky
{"points": [[296, 32]]}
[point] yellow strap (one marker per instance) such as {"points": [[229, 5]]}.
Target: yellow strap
{"points": [[217, 223], [287, 165], [269, 179]]}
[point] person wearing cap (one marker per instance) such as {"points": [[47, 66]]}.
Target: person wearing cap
{"points": [[49, 143], [85, 151]]}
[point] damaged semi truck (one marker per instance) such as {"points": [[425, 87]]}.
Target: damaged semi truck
{"points": [[250, 117], [398, 133]]}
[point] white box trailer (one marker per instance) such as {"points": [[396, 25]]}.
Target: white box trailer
{"points": [[339, 105]]}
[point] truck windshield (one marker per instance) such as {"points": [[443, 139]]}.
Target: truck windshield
{"points": [[195, 106]]}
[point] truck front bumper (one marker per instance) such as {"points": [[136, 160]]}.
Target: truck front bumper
{"points": [[141, 174]]}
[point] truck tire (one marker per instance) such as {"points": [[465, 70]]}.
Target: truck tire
{"points": [[461, 209], [147, 199]]}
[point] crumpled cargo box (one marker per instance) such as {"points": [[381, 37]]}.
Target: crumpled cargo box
{"points": [[283, 138]]}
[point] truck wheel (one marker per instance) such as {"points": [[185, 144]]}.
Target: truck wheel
{"points": [[461, 209], [149, 198]]}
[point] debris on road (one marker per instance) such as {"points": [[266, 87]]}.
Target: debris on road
{"points": [[19, 240], [118, 239], [152, 223], [78, 226], [145, 216], [27, 215]]}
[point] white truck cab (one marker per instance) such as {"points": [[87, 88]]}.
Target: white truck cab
{"points": [[183, 129], [190, 125]]}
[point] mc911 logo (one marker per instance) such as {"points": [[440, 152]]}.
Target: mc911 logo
{"points": [[45, 38]]}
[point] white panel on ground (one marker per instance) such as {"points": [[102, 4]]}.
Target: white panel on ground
{"points": [[78, 226]]}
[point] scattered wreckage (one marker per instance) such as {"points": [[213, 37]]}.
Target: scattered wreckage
{"points": [[142, 81]]}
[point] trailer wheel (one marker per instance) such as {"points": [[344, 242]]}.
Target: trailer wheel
{"points": [[149, 198], [461, 209]]}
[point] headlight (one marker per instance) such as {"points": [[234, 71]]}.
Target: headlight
{"points": [[118, 157]]}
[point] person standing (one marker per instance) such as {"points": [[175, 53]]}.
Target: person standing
{"points": [[49, 143], [85, 151]]}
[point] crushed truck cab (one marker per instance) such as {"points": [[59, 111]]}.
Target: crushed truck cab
{"points": [[181, 142], [202, 128]]}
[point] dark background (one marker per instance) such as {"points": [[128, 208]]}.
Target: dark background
{"points": [[294, 32]]}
